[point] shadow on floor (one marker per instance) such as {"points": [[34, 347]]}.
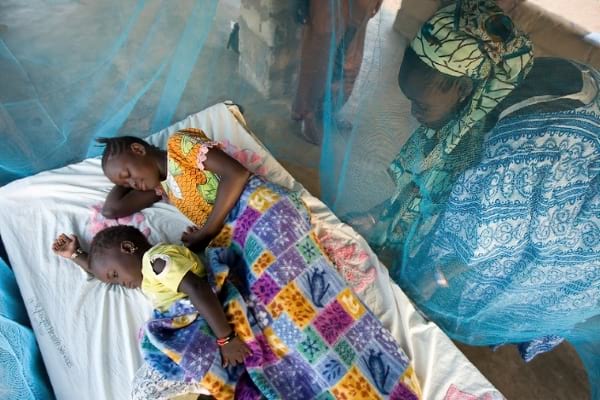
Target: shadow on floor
{"points": [[557, 375]]}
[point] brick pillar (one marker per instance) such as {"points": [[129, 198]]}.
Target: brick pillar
{"points": [[270, 40]]}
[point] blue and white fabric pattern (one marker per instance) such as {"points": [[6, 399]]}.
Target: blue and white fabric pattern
{"points": [[522, 229], [518, 244]]}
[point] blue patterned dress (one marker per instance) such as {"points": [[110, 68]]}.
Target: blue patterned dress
{"points": [[514, 254]]}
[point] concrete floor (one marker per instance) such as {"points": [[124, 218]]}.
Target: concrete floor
{"points": [[381, 115], [557, 375]]}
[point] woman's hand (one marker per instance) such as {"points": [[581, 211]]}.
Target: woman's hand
{"points": [[363, 223], [65, 245], [234, 352]]}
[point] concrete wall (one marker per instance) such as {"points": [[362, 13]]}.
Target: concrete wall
{"points": [[551, 34], [270, 46]]}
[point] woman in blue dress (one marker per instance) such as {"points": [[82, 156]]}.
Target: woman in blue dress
{"points": [[494, 227]]}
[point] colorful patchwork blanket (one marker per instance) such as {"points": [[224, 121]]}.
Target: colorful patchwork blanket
{"points": [[311, 337]]}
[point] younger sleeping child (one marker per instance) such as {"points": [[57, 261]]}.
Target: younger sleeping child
{"points": [[166, 273], [312, 339]]}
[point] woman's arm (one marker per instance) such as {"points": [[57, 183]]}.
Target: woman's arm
{"points": [[232, 180], [67, 246], [364, 222], [209, 307], [122, 201]]}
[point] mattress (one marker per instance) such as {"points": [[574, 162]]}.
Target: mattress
{"points": [[87, 330]]}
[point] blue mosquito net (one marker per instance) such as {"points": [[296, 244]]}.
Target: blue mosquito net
{"points": [[496, 237], [22, 375]]}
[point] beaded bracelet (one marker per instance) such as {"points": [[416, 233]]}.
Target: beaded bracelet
{"points": [[223, 341], [77, 253]]}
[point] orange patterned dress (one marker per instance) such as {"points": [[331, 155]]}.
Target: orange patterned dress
{"points": [[190, 187]]}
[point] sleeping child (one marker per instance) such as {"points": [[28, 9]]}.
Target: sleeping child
{"points": [[310, 338]]}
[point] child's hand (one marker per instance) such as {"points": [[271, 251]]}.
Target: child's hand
{"points": [[195, 238], [234, 352], [65, 246], [190, 235]]}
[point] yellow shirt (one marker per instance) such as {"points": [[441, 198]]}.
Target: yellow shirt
{"points": [[161, 288]]}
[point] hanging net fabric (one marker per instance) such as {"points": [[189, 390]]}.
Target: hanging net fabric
{"points": [[22, 375], [489, 219]]}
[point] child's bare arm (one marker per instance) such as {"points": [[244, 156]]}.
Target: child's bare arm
{"points": [[232, 180], [68, 246], [208, 305], [206, 302], [122, 201]]}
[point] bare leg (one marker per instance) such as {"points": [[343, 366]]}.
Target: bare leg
{"points": [[353, 61], [339, 26], [322, 35], [351, 55]]}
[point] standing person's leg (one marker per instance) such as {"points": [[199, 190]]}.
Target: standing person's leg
{"points": [[351, 51], [353, 61], [321, 36]]}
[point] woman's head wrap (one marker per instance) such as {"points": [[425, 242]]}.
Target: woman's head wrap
{"points": [[476, 39], [471, 38]]}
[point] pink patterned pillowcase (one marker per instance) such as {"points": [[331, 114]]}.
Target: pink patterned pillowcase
{"points": [[454, 393], [98, 222], [350, 261]]}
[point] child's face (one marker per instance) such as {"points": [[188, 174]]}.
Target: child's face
{"points": [[133, 169], [120, 268]]}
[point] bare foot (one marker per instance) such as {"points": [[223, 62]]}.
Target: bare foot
{"points": [[343, 124], [311, 130]]}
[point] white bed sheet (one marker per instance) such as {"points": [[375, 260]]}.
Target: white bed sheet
{"points": [[87, 329]]}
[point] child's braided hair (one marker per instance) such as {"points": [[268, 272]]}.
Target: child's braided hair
{"points": [[118, 145]]}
